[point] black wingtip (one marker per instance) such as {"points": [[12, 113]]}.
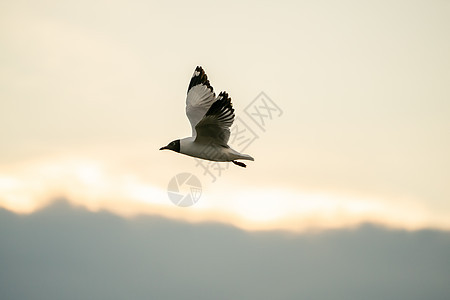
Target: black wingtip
{"points": [[199, 77], [223, 102]]}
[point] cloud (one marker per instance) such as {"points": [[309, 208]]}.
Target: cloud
{"points": [[100, 185], [66, 252]]}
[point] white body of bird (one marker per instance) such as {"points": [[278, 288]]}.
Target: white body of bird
{"points": [[210, 151]]}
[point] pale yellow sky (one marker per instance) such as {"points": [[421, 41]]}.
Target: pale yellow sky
{"points": [[89, 90]]}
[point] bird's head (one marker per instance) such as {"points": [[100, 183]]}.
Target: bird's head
{"points": [[173, 145]]}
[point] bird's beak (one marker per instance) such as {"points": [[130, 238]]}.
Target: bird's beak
{"points": [[162, 148]]}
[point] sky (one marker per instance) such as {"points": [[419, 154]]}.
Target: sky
{"points": [[344, 106], [358, 131]]}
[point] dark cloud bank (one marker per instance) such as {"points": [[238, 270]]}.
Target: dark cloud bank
{"points": [[64, 252]]}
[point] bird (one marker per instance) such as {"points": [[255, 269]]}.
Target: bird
{"points": [[211, 118]]}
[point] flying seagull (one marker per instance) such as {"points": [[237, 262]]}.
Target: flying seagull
{"points": [[211, 118]]}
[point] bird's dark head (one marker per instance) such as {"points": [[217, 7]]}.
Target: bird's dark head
{"points": [[174, 146]]}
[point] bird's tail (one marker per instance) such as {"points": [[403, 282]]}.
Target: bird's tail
{"points": [[246, 156]]}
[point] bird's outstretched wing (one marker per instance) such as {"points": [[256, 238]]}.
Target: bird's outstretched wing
{"points": [[200, 97], [215, 125]]}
